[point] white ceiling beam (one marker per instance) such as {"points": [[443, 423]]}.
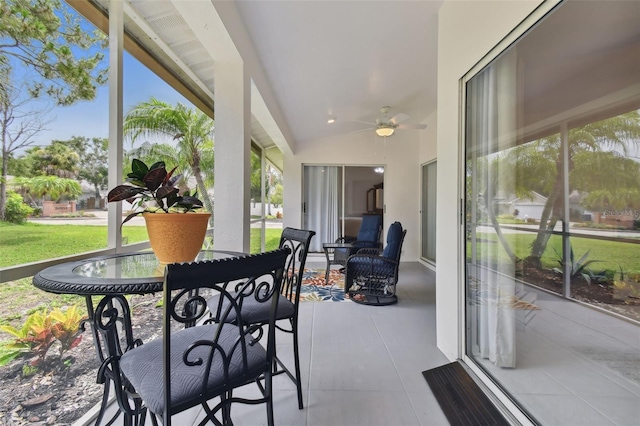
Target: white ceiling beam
{"points": [[140, 22], [218, 26]]}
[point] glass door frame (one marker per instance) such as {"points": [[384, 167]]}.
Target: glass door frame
{"points": [[495, 391]]}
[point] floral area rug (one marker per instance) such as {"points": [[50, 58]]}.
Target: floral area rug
{"points": [[314, 288]]}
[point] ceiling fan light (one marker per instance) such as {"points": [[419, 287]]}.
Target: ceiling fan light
{"points": [[385, 131]]}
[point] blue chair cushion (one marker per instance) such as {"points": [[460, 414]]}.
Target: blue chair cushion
{"points": [[370, 228], [393, 241]]}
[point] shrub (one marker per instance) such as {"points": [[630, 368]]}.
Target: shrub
{"points": [[37, 211], [39, 332], [34, 337], [66, 328], [579, 268], [626, 286], [16, 211]]}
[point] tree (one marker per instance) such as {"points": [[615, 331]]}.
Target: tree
{"points": [[538, 167], [45, 36], [19, 166], [256, 178], [53, 187], [617, 189], [56, 159], [190, 127], [93, 160], [278, 195], [18, 126], [274, 178]]}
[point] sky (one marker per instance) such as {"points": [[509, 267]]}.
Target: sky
{"points": [[91, 118]]}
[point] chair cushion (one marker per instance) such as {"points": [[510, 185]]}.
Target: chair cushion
{"points": [[142, 366], [393, 241], [254, 312], [370, 228]]}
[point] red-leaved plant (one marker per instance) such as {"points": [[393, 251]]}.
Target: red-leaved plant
{"points": [[153, 185]]}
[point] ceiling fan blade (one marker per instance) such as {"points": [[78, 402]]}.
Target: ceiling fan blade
{"points": [[399, 118], [362, 130], [363, 122], [412, 126]]}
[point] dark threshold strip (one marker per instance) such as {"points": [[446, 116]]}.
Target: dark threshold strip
{"points": [[461, 399]]}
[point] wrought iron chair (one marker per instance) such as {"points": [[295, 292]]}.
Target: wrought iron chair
{"points": [[196, 365], [297, 240], [371, 276]]}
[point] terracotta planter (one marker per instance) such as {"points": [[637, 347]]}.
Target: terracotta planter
{"points": [[176, 237]]}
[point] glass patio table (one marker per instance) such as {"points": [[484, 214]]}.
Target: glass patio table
{"points": [[111, 278]]}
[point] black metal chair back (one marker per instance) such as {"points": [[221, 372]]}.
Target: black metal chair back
{"points": [[298, 241], [193, 365]]}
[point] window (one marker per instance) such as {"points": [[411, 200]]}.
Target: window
{"points": [[266, 202], [429, 211]]}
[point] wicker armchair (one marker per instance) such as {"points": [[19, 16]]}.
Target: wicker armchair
{"points": [[371, 276]]}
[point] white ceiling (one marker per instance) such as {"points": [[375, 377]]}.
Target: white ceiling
{"points": [[346, 59], [321, 58]]}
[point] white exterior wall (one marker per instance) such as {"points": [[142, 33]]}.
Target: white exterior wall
{"points": [[467, 31], [399, 155]]}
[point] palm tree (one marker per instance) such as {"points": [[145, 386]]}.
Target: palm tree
{"points": [[53, 186], [190, 127], [538, 167]]}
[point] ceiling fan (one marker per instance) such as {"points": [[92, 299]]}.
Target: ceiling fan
{"points": [[386, 126]]}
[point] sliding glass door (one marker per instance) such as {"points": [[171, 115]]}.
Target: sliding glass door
{"points": [[335, 198], [552, 197]]}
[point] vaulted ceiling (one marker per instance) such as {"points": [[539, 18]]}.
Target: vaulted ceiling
{"points": [[344, 59]]}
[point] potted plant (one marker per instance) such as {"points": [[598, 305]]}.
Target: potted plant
{"points": [[176, 229]]}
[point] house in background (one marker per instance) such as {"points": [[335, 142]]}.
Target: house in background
{"points": [[523, 207]]}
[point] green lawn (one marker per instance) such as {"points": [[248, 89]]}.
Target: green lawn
{"points": [[272, 239], [610, 255], [32, 242]]}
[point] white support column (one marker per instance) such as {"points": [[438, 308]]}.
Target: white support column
{"points": [[231, 212], [116, 36]]}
